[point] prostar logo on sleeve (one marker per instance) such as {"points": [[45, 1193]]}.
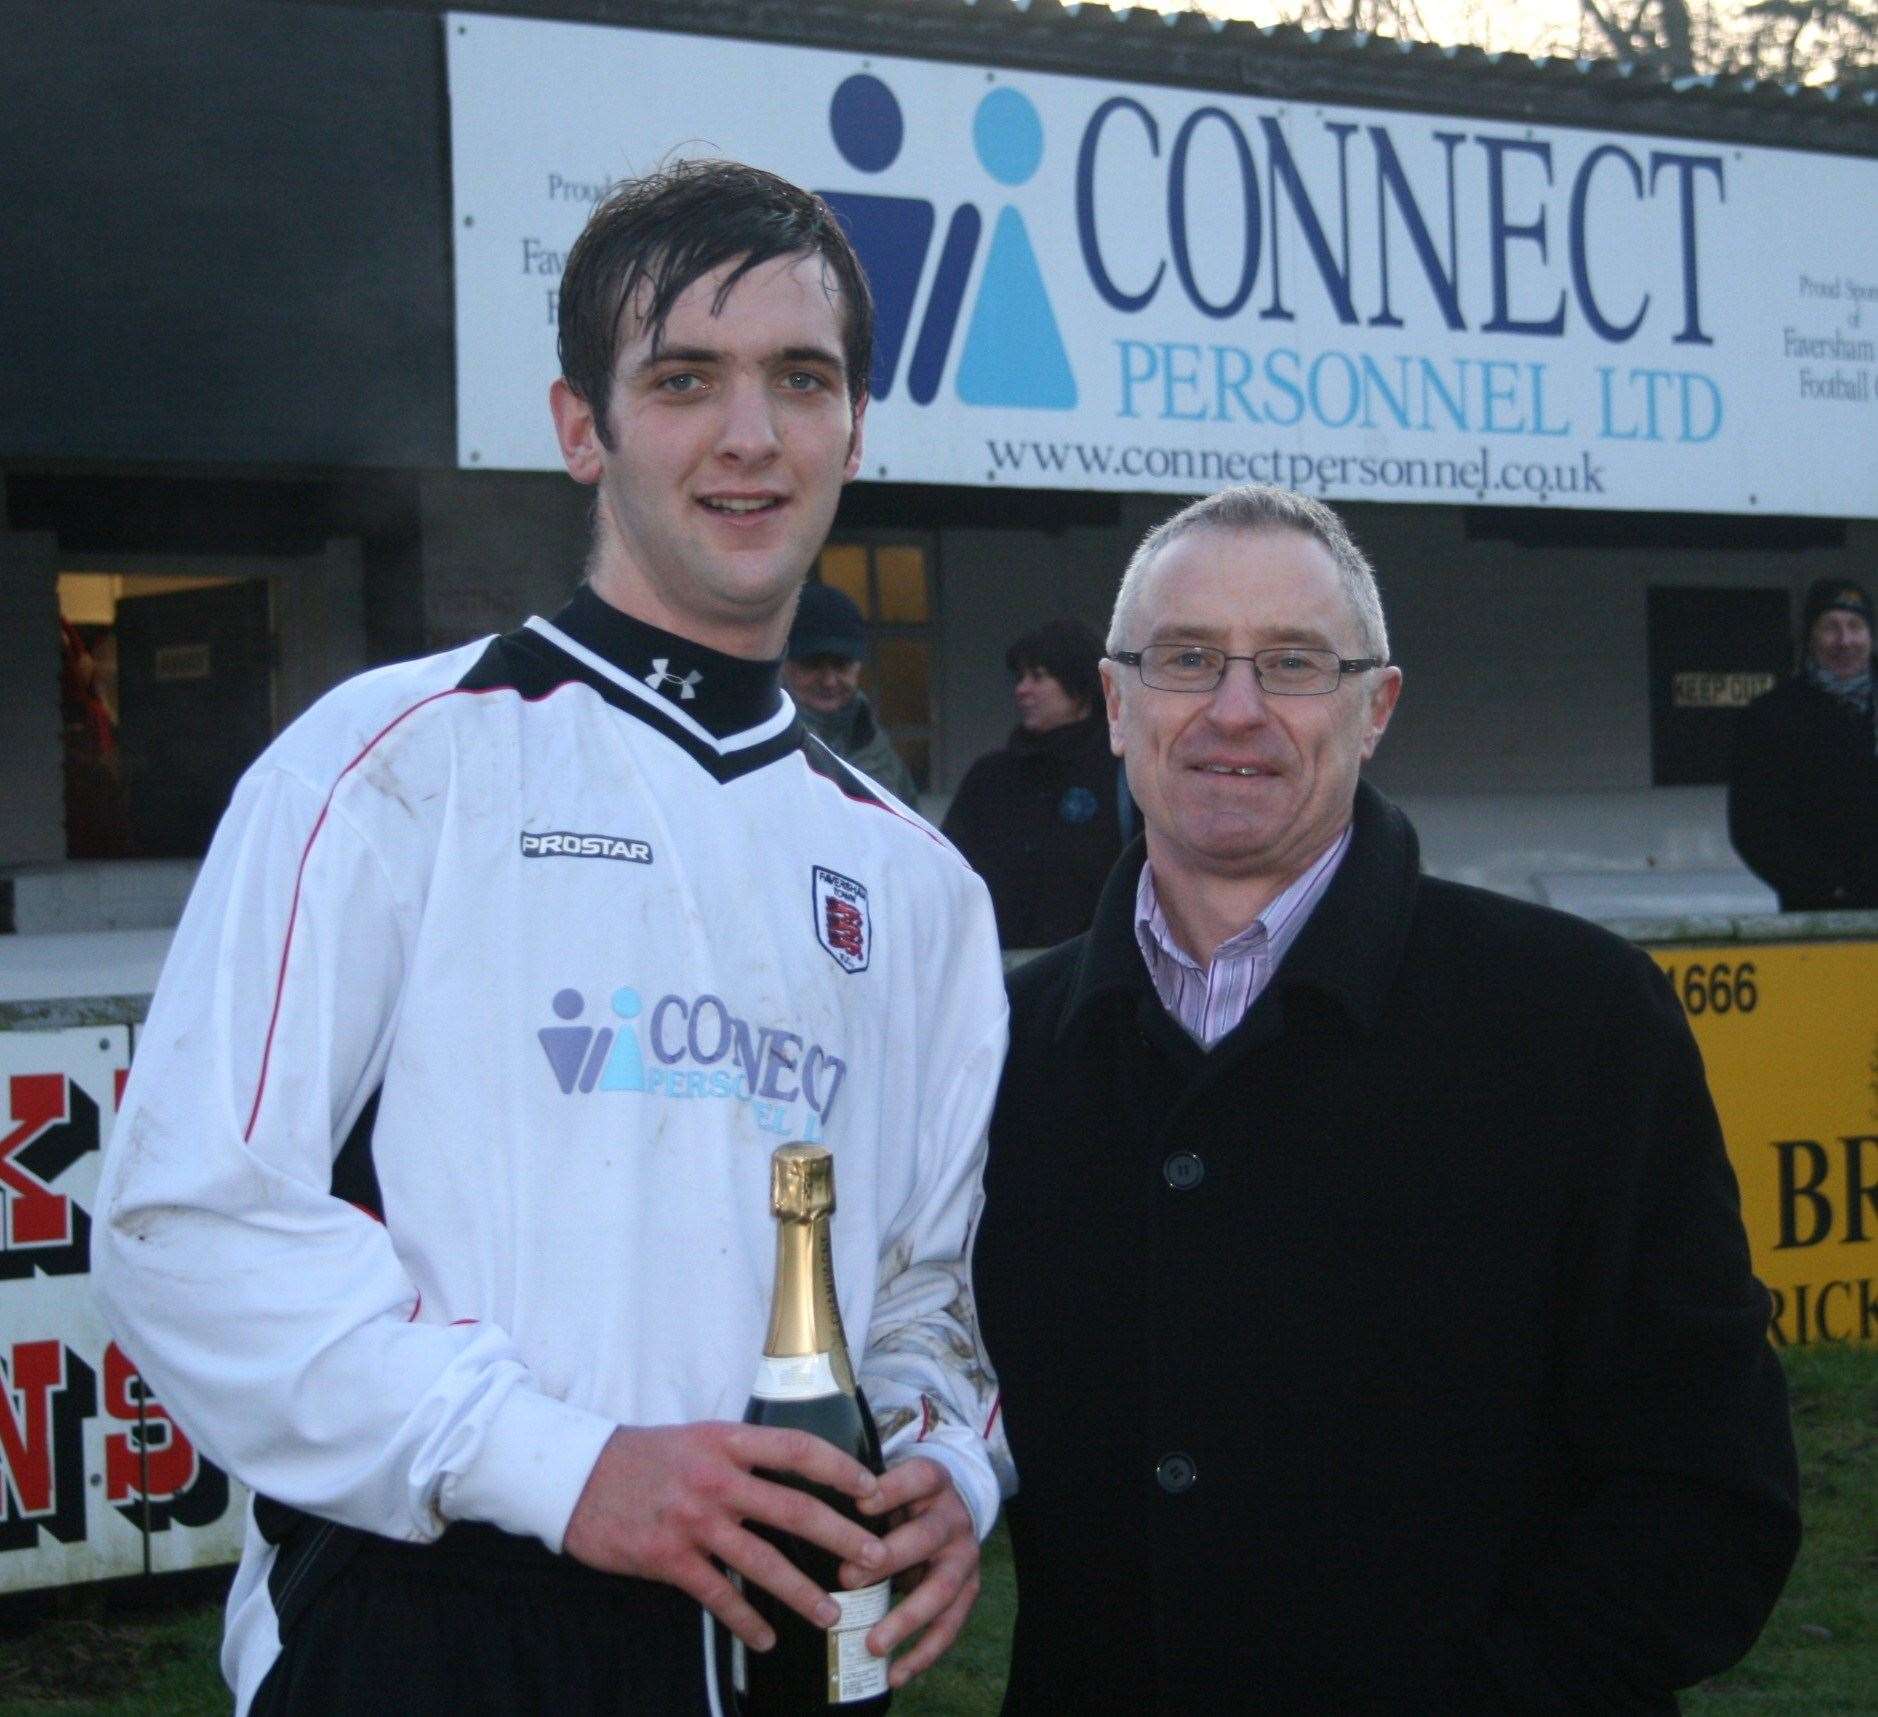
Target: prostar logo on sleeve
{"points": [[842, 925], [561, 844]]}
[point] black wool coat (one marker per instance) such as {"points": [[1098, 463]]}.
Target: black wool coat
{"points": [[1038, 822], [1401, 1353], [1803, 798]]}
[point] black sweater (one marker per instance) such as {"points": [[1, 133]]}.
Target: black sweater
{"points": [[1037, 821]]}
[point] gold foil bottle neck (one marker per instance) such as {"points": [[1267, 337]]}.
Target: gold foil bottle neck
{"points": [[805, 1317], [802, 1182]]}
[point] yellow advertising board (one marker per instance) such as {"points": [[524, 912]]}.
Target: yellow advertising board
{"points": [[1789, 1034]]}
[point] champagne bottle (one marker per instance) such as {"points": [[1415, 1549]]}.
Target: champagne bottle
{"points": [[806, 1382]]}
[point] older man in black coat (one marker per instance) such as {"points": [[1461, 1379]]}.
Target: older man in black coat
{"points": [[1361, 1260]]}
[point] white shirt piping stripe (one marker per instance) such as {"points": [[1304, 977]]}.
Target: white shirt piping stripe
{"points": [[600, 665]]}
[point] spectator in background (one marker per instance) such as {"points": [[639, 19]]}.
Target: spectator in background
{"points": [[97, 821], [822, 673], [1803, 798], [1038, 819]]}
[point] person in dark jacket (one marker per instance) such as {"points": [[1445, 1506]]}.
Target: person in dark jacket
{"points": [[822, 675], [1038, 820], [1361, 1263], [1803, 793]]}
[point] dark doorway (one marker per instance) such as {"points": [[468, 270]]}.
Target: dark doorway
{"points": [[1712, 652], [195, 707]]}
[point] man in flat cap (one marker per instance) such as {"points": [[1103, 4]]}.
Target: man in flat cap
{"points": [[822, 675]]}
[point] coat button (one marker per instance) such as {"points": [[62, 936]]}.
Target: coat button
{"points": [[1183, 1171], [1176, 1473]]}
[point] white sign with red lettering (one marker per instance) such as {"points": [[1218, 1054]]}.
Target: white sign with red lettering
{"points": [[96, 1481]]}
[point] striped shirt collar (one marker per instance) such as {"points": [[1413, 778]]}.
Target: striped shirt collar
{"points": [[1210, 1003]]}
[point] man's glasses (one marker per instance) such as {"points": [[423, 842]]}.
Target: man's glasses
{"points": [[1285, 672]]}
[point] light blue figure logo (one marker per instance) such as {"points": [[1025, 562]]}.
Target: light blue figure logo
{"points": [[626, 1066], [1078, 805], [1014, 352], [893, 236]]}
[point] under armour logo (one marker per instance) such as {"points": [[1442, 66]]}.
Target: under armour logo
{"points": [[687, 687]]}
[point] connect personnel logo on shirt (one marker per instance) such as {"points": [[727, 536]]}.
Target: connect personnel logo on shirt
{"points": [[693, 1048]]}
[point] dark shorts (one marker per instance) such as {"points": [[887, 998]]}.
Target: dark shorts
{"points": [[484, 1622]]}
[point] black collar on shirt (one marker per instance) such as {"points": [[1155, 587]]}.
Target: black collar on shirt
{"points": [[728, 694], [1347, 951], [733, 723]]}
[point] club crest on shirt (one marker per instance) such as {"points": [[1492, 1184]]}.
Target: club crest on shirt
{"points": [[842, 925]]}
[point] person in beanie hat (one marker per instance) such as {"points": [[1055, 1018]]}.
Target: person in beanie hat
{"points": [[1803, 793], [1038, 820], [822, 673]]}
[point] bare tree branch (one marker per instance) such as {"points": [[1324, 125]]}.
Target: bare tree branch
{"points": [[1792, 40]]}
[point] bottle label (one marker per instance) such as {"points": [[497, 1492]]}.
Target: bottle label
{"points": [[854, 1672], [800, 1377]]}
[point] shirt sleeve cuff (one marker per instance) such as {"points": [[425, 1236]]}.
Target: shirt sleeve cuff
{"points": [[970, 1473], [534, 1462]]}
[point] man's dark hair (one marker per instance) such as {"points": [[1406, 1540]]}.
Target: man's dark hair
{"points": [[650, 239], [1066, 650]]}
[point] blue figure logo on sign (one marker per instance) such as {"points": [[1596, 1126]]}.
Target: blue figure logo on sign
{"points": [[1014, 352], [892, 236]]}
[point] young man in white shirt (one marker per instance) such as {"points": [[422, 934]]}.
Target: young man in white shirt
{"points": [[437, 1210]]}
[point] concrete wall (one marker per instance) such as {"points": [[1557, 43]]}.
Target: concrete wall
{"points": [[497, 547], [994, 586], [1526, 670], [319, 627], [231, 240], [1527, 667]]}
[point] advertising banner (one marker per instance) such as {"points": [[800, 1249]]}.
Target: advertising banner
{"points": [[95, 1479], [1086, 284], [1789, 1035]]}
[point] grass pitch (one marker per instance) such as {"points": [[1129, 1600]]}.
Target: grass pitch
{"points": [[1818, 1656]]}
